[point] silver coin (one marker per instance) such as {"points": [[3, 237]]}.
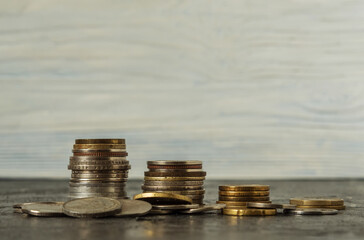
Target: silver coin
{"points": [[101, 175], [205, 208], [193, 193], [176, 207], [98, 180], [161, 212], [167, 162], [98, 194], [43, 209], [96, 189], [173, 183], [194, 197], [171, 188], [97, 158], [92, 207], [98, 150], [133, 208], [98, 162], [311, 211], [92, 184], [98, 167], [270, 205]]}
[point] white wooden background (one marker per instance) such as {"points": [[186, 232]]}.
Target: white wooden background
{"points": [[253, 88]]}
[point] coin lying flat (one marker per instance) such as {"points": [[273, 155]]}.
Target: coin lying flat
{"points": [[168, 162], [175, 167], [95, 184], [98, 167], [174, 178], [186, 192], [244, 194], [171, 188], [243, 199], [163, 198], [176, 207], [99, 154], [99, 175], [311, 211], [101, 141], [249, 212], [133, 208], [97, 158], [161, 212], [232, 203], [99, 146], [99, 162], [204, 208], [242, 188], [92, 207], [43, 209], [270, 205], [317, 201], [175, 174], [97, 189], [326, 207], [173, 183], [174, 170]]}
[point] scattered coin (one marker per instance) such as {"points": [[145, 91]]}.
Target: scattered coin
{"points": [[205, 208], [176, 207], [242, 188], [311, 211], [43, 209], [133, 208], [163, 198], [317, 201], [270, 205], [249, 212], [92, 207]]}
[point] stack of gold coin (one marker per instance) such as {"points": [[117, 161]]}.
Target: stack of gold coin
{"points": [[99, 168], [318, 202], [179, 177]]}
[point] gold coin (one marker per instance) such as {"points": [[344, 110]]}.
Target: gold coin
{"points": [[244, 194], [329, 207], [243, 199], [232, 203], [249, 212], [317, 201], [99, 146], [174, 178], [163, 198], [101, 141], [243, 188]]}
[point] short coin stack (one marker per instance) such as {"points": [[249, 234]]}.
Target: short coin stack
{"points": [[325, 203], [179, 177], [99, 168], [236, 198]]}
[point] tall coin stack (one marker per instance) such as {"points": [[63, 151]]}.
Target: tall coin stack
{"points": [[240, 195], [180, 177], [99, 168]]}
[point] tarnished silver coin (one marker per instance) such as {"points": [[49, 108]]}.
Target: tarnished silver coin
{"points": [[173, 183], [43, 209], [270, 205], [97, 158], [161, 212], [174, 170], [168, 162], [92, 207], [133, 208], [194, 193], [97, 184], [96, 190], [171, 188], [205, 208], [311, 211], [176, 207]]}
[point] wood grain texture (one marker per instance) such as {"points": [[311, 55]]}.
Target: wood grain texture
{"points": [[254, 89]]}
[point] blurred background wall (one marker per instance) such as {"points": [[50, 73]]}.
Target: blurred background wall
{"points": [[253, 88]]}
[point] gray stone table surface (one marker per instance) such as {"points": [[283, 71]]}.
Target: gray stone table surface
{"points": [[348, 224]]}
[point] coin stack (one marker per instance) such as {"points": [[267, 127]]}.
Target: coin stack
{"points": [[179, 177], [99, 168], [327, 203], [240, 195]]}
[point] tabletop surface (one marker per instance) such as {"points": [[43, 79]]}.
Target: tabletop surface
{"points": [[347, 224]]}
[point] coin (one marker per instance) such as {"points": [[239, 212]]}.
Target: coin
{"points": [[173, 183], [95, 184], [96, 194], [92, 207], [43, 209], [232, 203], [317, 201], [96, 190], [121, 151], [99, 179], [175, 166], [133, 208], [270, 205], [244, 194], [101, 154], [100, 141], [174, 178], [327, 207], [311, 211], [98, 167], [186, 192], [161, 212], [96, 158], [97, 162], [163, 198], [167, 162], [249, 212], [175, 174], [174, 170], [101, 175], [243, 199], [194, 197], [171, 188], [99, 146], [176, 206], [243, 188], [205, 208]]}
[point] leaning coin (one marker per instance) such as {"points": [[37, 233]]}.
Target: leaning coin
{"points": [[326, 207], [311, 211], [174, 178], [171, 188], [173, 183], [243, 199], [248, 187], [99, 146], [249, 212], [176, 207], [270, 205], [163, 198], [204, 208], [317, 201], [45, 209], [92, 207], [168, 162], [101, 141], [133, 208], [244, 194], [175, 174]]}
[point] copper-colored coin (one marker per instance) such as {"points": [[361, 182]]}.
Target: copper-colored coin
{"points": [[249, 212], [101, 141], [244, 194], [232, 203], [243, 188], [317, 201], [328, 207], [243, 199], [173, 183], [175, 167], [171, 188], [174, 178], [175, 174]]}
